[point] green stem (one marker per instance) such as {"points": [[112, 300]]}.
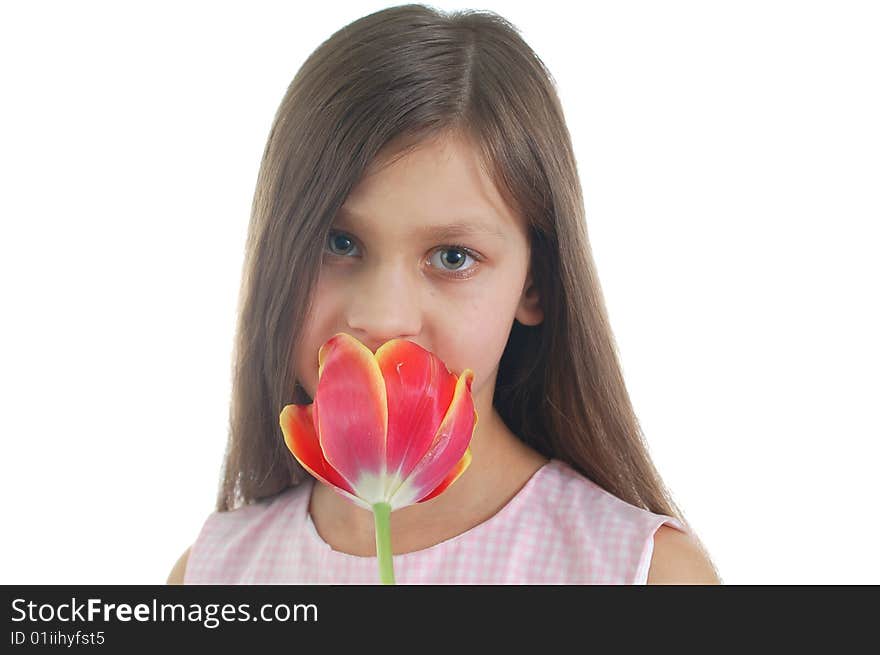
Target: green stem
{"points": [[382, 514]]}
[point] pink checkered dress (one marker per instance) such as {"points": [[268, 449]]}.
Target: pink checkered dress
{"points": [[560, 528]]}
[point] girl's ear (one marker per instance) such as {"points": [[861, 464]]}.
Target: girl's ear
{"points": [[529, 311]]}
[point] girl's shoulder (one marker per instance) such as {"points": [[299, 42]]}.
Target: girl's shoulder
{"points": [[568, 494], [591, 526], [254, 528], [678, 558]]}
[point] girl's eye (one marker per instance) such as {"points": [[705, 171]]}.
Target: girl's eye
{"points": [[451, 258], [340, 241]]}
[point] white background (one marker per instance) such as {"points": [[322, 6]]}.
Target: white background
{"points": [[730, 158]]}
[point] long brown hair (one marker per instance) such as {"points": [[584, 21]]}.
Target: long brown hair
{"points": [[384, 83]]}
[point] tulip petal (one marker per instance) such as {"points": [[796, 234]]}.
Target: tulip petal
{"points": [[298, 428], [447, 449], [420, 390], [453, 475], [351, 415]]}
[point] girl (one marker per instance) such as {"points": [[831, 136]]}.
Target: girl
{"points": [[419, 182]]}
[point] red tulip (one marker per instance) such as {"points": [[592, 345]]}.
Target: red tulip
{"points": [[386, 430]]}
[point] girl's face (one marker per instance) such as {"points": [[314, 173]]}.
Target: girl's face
{"points": [[425, 249]]}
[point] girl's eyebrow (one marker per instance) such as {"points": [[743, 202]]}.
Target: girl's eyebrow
{"points": [[436, 232]]}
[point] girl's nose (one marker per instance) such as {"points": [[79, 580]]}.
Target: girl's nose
{"points": [[384, 304]]}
